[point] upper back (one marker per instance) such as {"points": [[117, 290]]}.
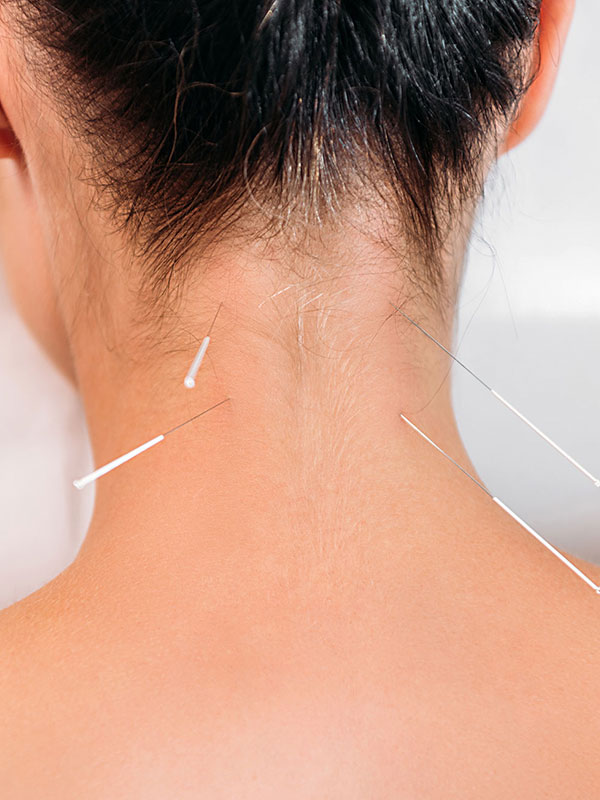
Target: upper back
{"points": [[464, 680]]}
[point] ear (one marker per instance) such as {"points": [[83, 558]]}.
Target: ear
{"points": [[9, 144], [24, 256], [555, 20]]}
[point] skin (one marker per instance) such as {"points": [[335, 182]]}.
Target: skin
{"points": [[294, 596]]}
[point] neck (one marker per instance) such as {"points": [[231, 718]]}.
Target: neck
{"points": [[309, 455]]}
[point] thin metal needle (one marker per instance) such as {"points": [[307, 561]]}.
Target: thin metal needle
{"points": [[518, 519], [456, 464], [190, 379], [214, 319], [499, 397], [81, 482], [187, 422]]}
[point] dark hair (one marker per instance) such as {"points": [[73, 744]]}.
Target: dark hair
{"points": [[192, 104]]}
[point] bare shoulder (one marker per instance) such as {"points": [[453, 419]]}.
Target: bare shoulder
{"points": [[591, 570], [457, 695], [34, 652], [587, 567]]}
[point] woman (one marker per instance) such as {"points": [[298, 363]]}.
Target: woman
{"points": [[294, 595]]}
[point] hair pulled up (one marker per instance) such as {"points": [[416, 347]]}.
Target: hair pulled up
{"points": [[195, 108]]}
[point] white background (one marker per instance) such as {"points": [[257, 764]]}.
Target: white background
{"points": [[528, 324]]}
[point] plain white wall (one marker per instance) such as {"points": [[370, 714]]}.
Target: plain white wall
{"points": [[529, 312], [528, 324]]}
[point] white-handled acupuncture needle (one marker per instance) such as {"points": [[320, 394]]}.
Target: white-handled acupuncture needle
{"points": [[81, 482], [190, 378], [499, 397], [502, 505]]}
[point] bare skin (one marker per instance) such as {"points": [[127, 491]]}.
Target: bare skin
{"points": [[294, 596]]}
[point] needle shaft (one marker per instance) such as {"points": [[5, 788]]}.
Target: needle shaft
{"points": [[81, 482], [511, 408], [516, 517]]}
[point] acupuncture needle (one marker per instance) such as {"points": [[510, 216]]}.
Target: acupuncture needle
{"points": [[499, 397], [516, 517], [190, 378], [81, 482]]}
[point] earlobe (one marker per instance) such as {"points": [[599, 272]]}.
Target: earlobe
{"points": [[555, 20], [23, 255], [9, 143]]}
